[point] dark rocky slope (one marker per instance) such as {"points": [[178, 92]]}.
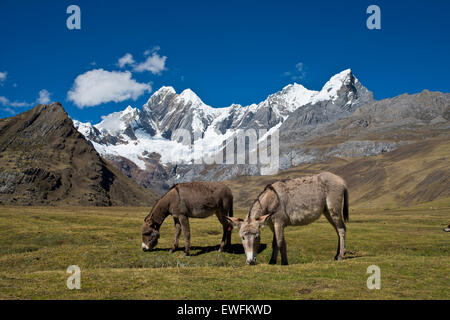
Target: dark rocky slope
{"points": [[44, 160]]}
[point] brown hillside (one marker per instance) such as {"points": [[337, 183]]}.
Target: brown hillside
{"points": [[45, 160], [414, 173]]}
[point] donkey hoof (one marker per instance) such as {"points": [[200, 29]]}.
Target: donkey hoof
{"points": [[187, 254], [272, 262], [338, 258], [172, 250]]}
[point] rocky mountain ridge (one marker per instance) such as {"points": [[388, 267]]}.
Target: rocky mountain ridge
{"points": [[141, 136], [44, 160], [341, 120]]}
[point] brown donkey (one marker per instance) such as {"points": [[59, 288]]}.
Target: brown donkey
{"points": [[189, 200], [295, 202]]}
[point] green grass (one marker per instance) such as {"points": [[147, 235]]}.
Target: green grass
{"points": [[37, 244]]}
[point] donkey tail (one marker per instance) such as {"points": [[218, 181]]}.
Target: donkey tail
{"points": [[230, 213], [345, 209]]}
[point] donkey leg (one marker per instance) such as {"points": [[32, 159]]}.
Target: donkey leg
{"points": [[224, 236], [177, 235], [340, 228], [187, 233], [273, 259], [281, 243], [228, 228], [341, 232], [228, 211], [224, 222], [338, 224]]}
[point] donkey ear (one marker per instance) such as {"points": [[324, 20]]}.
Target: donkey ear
{"points": [[263, 220], [236, 222]]}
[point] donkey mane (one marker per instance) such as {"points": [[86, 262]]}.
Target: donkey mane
{"points": [[267, 187], [150, 214], [175, 186], [257, 200], [153, 207]]}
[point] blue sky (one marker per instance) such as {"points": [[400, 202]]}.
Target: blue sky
{"points": [[226, 51]]}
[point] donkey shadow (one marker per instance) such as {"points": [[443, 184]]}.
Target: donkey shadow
{"points": [[234, 249]]}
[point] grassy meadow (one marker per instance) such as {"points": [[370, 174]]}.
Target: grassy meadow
{"points": [[37, 244]]}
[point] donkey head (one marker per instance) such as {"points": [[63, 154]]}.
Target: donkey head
{"points": [[250, 235], [150, 236]]}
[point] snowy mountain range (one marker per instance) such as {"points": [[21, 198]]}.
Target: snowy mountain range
{"points": [[131, 133], [146, 144]]}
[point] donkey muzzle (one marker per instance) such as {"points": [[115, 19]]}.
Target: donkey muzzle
{"points": [[251, 259], [145, 247]]}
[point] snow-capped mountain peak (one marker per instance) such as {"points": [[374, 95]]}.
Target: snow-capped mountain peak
{"points": [[188, 95], [192, 101], [133, 134], [165, 90], [330, 89], [117, 122], [296, 95], [85, 128]]}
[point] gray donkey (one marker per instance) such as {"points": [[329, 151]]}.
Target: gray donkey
{"points": [[295, 202], [189, 200]]}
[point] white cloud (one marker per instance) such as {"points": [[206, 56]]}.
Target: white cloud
{"points": [[3, 100], [9, 110], [150, 51], [3, 76], [126, 59], [154, 63], [6, 102], [16, 104], [44, 97], [298, 73], [100, 86]]}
